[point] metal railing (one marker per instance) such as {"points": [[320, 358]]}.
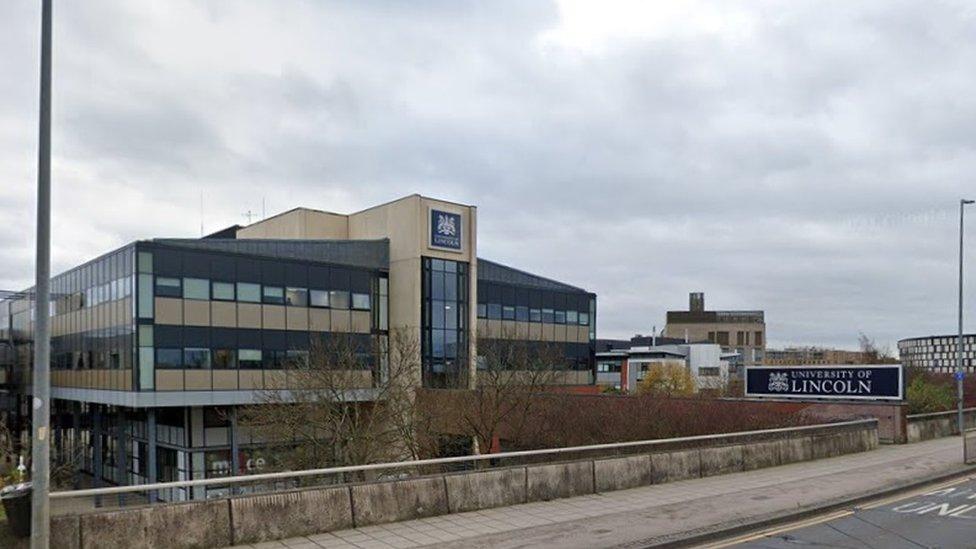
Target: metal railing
{"points": [[491, 458], [947, 413]]}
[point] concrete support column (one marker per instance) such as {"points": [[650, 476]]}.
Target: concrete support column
{"points": [[96, 438], [235, 451], [151, 476], [121, 452], [76, 452], [57, 430]]}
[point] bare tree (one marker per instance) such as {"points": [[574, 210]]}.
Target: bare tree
{"points": [[871, 353], [511, 375], [341, 404]]}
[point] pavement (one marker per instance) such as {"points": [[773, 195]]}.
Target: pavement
{"points": [[680, 513]]}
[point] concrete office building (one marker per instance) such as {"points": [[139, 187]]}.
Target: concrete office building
{"points": [[622, 364], [156, 344], [938, 353], [798, 356], [739, 332]]}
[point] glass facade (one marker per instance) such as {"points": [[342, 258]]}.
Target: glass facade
{"points": [[569, 316], [444, 322], [212, 311]]}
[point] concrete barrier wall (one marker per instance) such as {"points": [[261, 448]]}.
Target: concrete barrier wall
{"points": [[941, 424], [290, 514], [486, 489], [380, 502], [258, 518]]}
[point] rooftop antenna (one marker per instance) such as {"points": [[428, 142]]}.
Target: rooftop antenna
{"points": [[654, 337], [201, 214], [264, 214], [248, 214]]}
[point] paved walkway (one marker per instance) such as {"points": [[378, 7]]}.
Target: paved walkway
{"points": [[655, 514]]}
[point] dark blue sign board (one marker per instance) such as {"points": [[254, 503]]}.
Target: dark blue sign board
{"points": [[960, 376], [445, 230], [856, 382]]}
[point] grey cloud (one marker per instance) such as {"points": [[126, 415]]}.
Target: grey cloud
{"points": [[807, 164]]}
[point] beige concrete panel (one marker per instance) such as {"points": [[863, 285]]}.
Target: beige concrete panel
{"points": [[196, 312], [571, 377], [548, 332], [168, 310], [300, 223], [127, 380], [508, 329], [404, 298], [341, 321], [275, 379], [199, 380], [251, 379], [296, 318], [249, 315], [494, 329], [224, 380], [223, 314], [535, 331], [273, 317], [169, 380], [402, 221], [559, 332], [522, 330], [361, 379], [360, 322], [320, 320], [482, 327]]}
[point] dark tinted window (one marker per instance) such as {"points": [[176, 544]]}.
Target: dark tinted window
{"points": [[169, 358]]}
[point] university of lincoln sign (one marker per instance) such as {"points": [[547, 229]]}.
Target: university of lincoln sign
{"points": [[867, 382]]}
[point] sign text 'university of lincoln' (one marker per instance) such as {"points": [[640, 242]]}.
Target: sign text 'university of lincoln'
{"points": [[870, 381]]}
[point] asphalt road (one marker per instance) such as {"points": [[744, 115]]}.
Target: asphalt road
{"points": [[942, 516]]}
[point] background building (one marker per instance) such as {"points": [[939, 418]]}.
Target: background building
{"points": [[795, 356], [938, 353], [739, 332], [622, 364], [156, 344]]}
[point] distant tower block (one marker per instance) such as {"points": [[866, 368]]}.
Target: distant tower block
{"points": [[696, 301]]}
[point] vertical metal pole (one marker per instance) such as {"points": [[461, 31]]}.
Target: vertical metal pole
{"points": [[235, 448], [959, 368], [40, 441]]}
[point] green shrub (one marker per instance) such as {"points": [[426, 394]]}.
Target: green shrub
{"points": [[925, 396]]}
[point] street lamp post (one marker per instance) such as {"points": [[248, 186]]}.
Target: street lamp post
{"points": [[959, 369], [41, 383]]}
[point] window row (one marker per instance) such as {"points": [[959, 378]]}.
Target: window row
{"points": [[247, 292], [495, 311], [199, 358]]}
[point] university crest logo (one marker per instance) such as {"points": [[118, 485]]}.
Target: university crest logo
{"points": [[446, 225], [779, 383], [445, 230]]}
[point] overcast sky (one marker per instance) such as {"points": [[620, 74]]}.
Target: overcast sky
{"points": [[804, 158]]}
